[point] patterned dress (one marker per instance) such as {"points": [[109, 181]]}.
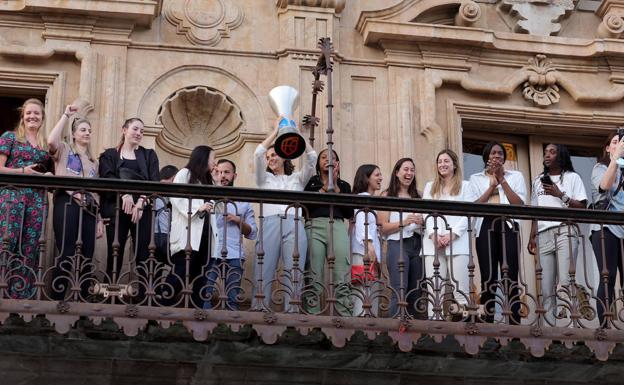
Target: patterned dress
{"points": [[22, 213]]}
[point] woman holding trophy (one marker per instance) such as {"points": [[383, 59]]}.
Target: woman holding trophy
{"points": [[281, 224]]}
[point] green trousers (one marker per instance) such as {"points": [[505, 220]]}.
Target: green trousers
{"points": [[317, 287]]}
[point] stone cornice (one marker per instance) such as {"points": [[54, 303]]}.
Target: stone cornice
{"points": [[141, 12], [337, 5], [375, 32]]}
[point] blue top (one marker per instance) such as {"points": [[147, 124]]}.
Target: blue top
{"points": [[234, 243]]}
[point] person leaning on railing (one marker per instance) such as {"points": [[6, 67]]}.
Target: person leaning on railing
{"points": [[129, 161], [22, 210], [75, 215], [365, 245], [279, 227], [497, 242], [318, 232], [608, 194], [403, 185], [195, 229], [230, 224], [446, 238], [556, 243]]}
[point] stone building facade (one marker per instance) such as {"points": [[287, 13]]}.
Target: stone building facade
{"points": [[410, 77]]}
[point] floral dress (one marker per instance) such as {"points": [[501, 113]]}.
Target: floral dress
{"points": [[22, 213]]}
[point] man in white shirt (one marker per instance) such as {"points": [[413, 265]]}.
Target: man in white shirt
{"points": [[556, 243]]}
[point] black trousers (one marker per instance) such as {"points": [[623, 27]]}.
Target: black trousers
{"points": [[66, 217], [140, 233], [613, 260], [495, 240]]}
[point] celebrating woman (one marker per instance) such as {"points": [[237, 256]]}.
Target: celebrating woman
{"points": [[365, 245], [75, 216], [131, 161], [318, 226], [280, 229], [406, 228], [198, 170], [23, 210], [497, 240], [607, 188], [446, 238]]}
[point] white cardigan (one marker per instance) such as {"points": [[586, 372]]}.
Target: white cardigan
{"points": [[458, 225], [179, 218]]}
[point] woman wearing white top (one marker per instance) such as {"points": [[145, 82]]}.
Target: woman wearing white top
{"points": [[446, 239], [497, 243], [193, 232], [365, 242], [403, 233], [278, 226]]}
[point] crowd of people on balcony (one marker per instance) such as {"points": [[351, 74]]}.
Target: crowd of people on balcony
{"points": [[202, 240]]}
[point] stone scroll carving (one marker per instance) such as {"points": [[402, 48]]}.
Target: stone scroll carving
{"points": [[541, 86], [198, 115], [204, 22], [539, 17]]}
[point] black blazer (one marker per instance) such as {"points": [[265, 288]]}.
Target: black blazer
{"points": [[109, 165]]}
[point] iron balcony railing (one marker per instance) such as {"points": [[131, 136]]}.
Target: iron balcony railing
{"points": [[499, 292]]}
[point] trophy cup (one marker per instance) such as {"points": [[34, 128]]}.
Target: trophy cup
{"points": [[289, 143]]}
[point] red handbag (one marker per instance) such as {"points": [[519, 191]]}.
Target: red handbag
{"points": [[357, 273]]}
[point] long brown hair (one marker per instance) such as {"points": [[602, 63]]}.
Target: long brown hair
{"points": [[74, 126], [456, 182], [289, 167], [605, 158], [127, 124], [20, 130], [395, 185]]}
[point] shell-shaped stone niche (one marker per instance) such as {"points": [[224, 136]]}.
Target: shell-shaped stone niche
{"points": [[198, 115]]}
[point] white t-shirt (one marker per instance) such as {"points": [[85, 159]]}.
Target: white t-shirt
{"points": [[569, 183]]}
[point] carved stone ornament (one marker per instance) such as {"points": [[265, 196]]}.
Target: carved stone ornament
{"points": [[198, 115], [539, 17], [468, 14], [204, 22], [337, 5], [541, 86]]}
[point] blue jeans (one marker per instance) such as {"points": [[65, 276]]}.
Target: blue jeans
{"points": [[230, 272]]}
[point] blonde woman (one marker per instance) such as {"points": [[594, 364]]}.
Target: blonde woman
{"points": [[22, 211], [446, 238], [73, 159]]}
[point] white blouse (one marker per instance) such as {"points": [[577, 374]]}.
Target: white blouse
{"points": [[293, 182], [458, 225], [363, 233]]}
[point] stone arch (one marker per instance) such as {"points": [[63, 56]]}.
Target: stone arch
{"points": [[199, 81]]}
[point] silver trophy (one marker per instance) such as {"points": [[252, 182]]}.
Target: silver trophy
{"points": [[289, 143]]}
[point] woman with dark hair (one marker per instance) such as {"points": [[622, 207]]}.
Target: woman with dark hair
{"points": [[365, 245], [198, 170], [554, 242], [280, 228], [319, 222], [608, 194], [497, 240], [130, 161], [402, 231], [446, 239], [75, 216], [23, 210]]}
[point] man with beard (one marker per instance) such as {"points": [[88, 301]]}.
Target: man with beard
{"points": [[556, 243], [231, 222]]}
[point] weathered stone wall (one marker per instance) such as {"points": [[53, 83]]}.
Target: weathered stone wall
{"points": [[99, 355]]}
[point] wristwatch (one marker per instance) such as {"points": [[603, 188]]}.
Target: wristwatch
{"points": [[565, 199]]}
